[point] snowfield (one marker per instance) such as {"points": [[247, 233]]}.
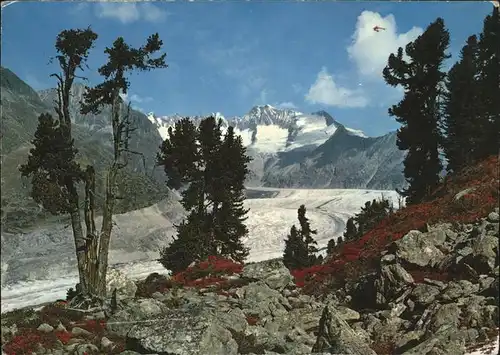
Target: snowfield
{"points": [[139, 235]]}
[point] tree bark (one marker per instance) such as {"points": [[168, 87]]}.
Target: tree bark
{"points": [[80, 245], [107, 216]]}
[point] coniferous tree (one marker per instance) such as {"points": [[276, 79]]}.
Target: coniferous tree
{"points": [[489, 84], [212, 169], [420, 110], [300, 247], [294, 250], [351, 232], [51, 163], [230, 191], [122, 59], [462, 114], [330, 246], [306, 233]]}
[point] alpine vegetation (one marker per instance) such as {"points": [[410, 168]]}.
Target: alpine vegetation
{"points": [[300, 247], [210, 168]]}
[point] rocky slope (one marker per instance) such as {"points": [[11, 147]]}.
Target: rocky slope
{"points": [[293, 149], [425, 283], [259, 309], [20, 107]]}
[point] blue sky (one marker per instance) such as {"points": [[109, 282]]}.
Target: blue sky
{"points": [[229, 56]]}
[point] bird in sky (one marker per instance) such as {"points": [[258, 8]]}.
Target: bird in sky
{"points": [[378, 28]]}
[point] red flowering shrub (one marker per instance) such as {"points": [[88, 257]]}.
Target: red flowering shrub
{"points": [[23, 344], [27, 341], [63, 336], [208, 272], [52, 315]]}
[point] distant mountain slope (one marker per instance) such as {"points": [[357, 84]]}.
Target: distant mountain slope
{"points": [[20, 108], [343, 161], [293, 149]]}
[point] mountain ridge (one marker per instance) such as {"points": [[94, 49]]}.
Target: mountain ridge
{"points": [[293, 149]]}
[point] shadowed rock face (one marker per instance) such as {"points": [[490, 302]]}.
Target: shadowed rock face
{"points": [[141, 183]]}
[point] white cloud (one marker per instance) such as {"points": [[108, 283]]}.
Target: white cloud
{"points": [[325, 91], [139, 99], [370, 49], [152, 13], [286, 105], [128, 12], [135, 98]]}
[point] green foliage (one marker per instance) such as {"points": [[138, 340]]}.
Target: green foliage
{"points": [[371, 214], [52, 165], [330, 246], [420, 109], [463, 119], [294, 249], [471, 121], [211, 169], [300, 247], [489, 86], [351, 231], [121, 59]]}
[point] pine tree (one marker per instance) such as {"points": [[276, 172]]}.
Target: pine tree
{"points": [[229, 190], [306, 233], [300, 247], [489, 84], [330, 246], [351, 232], [212, 170], [52, 164], [294, 250], [420, 110], [122, 59], [462, 110]]}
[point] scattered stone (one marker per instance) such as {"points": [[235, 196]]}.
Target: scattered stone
{"points": [[336, 336], [77, 331], [493, 217], [125, 287]]}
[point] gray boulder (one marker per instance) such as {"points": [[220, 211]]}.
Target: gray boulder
{"points": [[272, 272], [418, 249], [336, 336]]}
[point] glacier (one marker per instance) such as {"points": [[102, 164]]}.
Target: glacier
{"points": [[39, 266]]}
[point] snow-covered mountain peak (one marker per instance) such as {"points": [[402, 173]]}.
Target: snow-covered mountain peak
{"points": [[269, 130], [269, 115]]}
